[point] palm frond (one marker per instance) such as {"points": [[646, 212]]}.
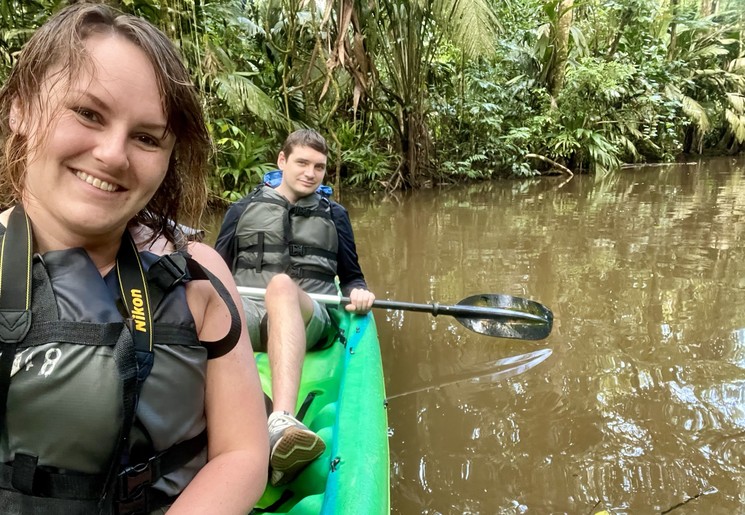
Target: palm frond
{"points": [[239, 93], [250, 28], [736, 124], [711, 50], [696, 113], [737, 66], [737, 101], [690, 107], [471, 24], [629, 145], [581, 48]]}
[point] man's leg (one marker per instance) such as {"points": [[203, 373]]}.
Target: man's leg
{"points": [[289, 309]]}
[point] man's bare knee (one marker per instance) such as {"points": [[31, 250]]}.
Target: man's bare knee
{"points": [[282, 290], [281, 285], [283, 293]]}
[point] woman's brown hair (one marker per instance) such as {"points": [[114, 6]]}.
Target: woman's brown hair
{"points": [[59, 44]]}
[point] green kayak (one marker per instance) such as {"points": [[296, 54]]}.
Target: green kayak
{"points": [[344, 402]]}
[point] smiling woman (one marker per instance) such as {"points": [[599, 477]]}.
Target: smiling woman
{"points": [[106, 149], [119, 332]]}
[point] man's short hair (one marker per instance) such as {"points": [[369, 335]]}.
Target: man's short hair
{"points": [[305, 138]]}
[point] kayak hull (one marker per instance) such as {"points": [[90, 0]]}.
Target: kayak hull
{"points": [[343, 389]]}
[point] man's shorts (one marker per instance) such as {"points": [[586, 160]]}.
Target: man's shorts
{"points": [[319, 328]]}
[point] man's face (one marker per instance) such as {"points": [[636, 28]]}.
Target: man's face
{"points": [[303, 171]]}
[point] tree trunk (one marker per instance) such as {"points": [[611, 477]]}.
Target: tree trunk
{"points": [[416, 150], [338, 163], [709, 7], [625, 18], [673, 30], [561, 47]]}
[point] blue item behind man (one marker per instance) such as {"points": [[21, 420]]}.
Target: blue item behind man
{"points": [[274, 178]]}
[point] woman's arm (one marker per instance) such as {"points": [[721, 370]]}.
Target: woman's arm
{"points": [[236, 472]]}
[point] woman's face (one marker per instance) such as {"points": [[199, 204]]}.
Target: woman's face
{"points": [[105, 150]]}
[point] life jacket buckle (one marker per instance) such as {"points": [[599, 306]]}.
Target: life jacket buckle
{"points": [[295, 272], [170, 271], [305, 212], [297, 250], [135, 506], [134, 483]]}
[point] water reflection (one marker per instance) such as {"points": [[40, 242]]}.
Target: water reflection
{"points": [[640, 405], [485, 374]]}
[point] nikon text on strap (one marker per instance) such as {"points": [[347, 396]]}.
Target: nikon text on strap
{"points": [[136, 299]]}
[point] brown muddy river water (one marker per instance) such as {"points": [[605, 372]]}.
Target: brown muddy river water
{"points": [[636, 401]]}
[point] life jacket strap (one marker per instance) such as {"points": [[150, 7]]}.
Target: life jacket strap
{"points": [[134, 492], [307, 212], [295, 249], [294, 271], [226, 343], [306, 250], [302, 273], [261, 248], [24, 475], [79, 333], [165, 274]]}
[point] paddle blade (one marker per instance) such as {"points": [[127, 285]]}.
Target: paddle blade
{"points": [[506, 327]]}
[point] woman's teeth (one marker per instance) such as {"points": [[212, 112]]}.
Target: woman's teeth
{"points": [[96, 183]]}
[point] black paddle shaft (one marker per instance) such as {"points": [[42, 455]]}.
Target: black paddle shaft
{"points": [[484, 313], [491, 314], [498, 315]]}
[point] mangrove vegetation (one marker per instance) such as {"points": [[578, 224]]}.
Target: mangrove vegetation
{"points": [[412, 93]]}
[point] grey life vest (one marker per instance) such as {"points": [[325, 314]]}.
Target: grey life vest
{"points": [[100, 412], [273, 236]]}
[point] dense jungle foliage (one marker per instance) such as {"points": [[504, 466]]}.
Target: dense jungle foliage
{"points": [[417, 92]]}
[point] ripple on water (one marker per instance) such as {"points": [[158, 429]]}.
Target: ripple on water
{"points": [[484, 374], [641, 484], [728, 451], [564, 484]]}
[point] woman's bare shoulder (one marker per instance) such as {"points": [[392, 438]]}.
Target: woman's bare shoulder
{"points": [[208, 258], [211, 312]]}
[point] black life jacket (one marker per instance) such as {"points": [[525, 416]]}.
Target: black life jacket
{"points": [[99, 412]]}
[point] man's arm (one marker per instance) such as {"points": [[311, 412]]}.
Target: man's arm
{"points": [[225, 244], [348, 267]]}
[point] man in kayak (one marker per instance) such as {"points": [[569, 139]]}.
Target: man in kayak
{"points": [[291, 240]]}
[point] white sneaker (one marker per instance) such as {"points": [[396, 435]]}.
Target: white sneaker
{"points": [[293, 447]]}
